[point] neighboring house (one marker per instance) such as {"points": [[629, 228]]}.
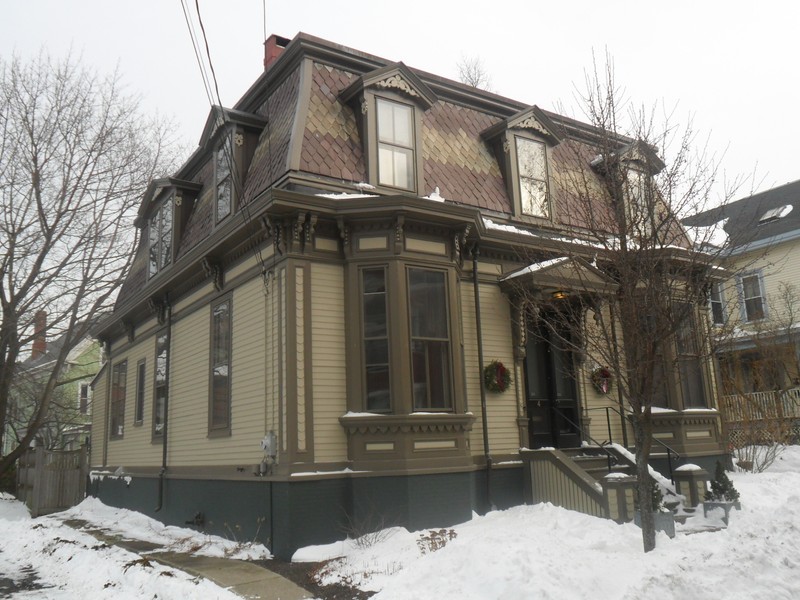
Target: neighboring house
{"points": [[756, 313], [296, 346], [68, 424]]}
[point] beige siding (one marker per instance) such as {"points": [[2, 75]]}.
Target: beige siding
{"points": [[189, 443], [136, 447], [273, 359], [501, 408], [328, 356], [188, 390], [187, 301]]}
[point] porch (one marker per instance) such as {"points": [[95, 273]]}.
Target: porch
{"points": [[762, 416]]}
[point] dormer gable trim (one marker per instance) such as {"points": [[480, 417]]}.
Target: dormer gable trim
{"points": [[220, 118], [532, 119], [157, 190], [395, 77], [637, 155]]}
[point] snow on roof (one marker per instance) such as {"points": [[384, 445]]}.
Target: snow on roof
{"points": [[713, 235], [535, 267]]}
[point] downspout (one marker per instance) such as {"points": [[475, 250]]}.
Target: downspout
{"points": [[163, 470], [484, 419], [620, 399], [107, 352]]}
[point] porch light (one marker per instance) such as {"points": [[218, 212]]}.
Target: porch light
{"points": [[559, 295]]}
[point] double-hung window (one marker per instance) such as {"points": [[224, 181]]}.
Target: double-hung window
{"points": [[119, 380], [83, 398], [752, 292], [375, 339], [690, 363], [220, 403], [396, 145], [160, 237], [716, 303], [430, 340], [532, 169], [138, 411], [161, 382]]}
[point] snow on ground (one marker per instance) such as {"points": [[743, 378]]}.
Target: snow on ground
{"points": [[546, 552], [542, 552], [70, 564]]}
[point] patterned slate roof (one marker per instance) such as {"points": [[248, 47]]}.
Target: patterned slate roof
{"points": [[331, 144], [271, 159]]}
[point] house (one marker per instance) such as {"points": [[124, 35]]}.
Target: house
{"points": [[755, 313], [68, 422], [298, 350]]}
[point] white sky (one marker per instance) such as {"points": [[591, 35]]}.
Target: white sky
{"points": [[732, 64]]}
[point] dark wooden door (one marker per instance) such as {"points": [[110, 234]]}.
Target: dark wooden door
{"points": [[551, 397]]}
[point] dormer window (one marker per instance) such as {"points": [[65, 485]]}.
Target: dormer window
{"points": [[390, 103], [223, 170], [522, 143], [532, 169], [396, 144], [160, 237]]}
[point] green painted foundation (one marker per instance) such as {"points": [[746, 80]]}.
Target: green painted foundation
{"points": [[286, 516]]}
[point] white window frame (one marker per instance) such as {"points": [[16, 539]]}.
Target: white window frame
{"points": [[743, 299]]}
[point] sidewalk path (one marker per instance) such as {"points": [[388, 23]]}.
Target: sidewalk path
{"points": [[244, 578]]}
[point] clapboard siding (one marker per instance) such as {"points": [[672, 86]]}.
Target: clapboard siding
{"points": [[328, 360], [136, 447], [501, 409]]}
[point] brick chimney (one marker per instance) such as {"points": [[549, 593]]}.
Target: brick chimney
{"points": [[273, 47], [39, 336]]}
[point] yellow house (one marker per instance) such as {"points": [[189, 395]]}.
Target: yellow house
{"points": [[298, 350]]}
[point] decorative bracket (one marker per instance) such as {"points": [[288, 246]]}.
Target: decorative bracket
{"points": [[159, 307], [344, 234], [213, 270]]}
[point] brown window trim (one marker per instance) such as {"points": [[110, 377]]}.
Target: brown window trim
{"points": [[115, 404], [158, 436], [221, 430], [138, 409], [514, 176]]}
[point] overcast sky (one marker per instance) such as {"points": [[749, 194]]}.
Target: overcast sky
{"points": [[731, 64]]}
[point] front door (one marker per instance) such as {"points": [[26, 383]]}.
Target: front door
{"points": [[551, 397]]}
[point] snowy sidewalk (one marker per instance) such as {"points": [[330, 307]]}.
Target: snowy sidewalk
{"points": [[243, 578]]}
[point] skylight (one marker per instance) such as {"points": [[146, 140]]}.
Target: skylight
{"points": [[773, 214]]}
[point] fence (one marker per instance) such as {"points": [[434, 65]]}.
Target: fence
{"points": [[49, 481], [762, 417]]}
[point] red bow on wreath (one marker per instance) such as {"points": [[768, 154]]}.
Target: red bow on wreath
{"points": [[601, 380]]}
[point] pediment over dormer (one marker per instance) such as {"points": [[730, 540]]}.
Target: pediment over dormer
{"points": [[221, 118], [636, 155], [396, 78], [532, 119]]}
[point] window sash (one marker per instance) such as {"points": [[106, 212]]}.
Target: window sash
{"points": [[119, 379], [138, 413], [532, 170], [396, 144], [716, 304], [375, 341], [223, 177], [431, 372], [160, 238], [753, 296], [161, 377], [220, 375]]}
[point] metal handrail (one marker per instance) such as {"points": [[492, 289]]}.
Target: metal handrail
{"points": [[670, 451], [609, 456]]}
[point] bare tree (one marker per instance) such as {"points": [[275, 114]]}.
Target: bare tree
{"points": [[76, 154], [472, 72], [760, 384], [639, 285]]}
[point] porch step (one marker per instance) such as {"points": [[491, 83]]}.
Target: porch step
{"points": [[594, 461]]}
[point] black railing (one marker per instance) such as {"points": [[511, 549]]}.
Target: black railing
{"points": [[670, 452], [611, 458]]}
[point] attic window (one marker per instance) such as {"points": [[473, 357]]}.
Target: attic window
{"points": [[774, 214], [223, 170], [532, 166], [396, 144], [160, 237]]}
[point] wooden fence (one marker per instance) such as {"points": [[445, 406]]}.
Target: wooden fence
{"points": [[49, 481], [762, 417]]}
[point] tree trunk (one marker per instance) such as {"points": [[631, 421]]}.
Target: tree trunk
{"points": [[642, 432]]}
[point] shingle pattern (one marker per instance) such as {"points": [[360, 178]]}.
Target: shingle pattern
{"points": [[137, 277], [458, 161], [331, 144], [200, 221], [271, 159]]}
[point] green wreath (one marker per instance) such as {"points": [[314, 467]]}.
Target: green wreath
{"points": [[602, 380], [496, 377]]}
